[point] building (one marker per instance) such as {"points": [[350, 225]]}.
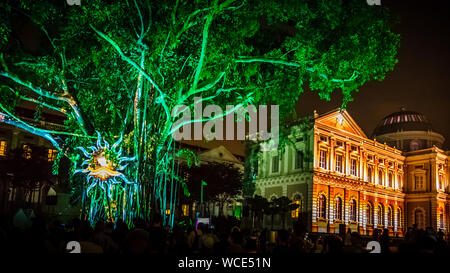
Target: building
{"points": [[339, 176], [207, 156], [38, 194]]}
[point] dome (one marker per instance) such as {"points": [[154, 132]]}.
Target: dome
{"points": [[402, 121]]}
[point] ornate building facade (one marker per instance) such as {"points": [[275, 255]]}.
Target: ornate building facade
{"points": [[339, 177]]}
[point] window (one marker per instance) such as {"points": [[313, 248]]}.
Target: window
{"points": [[399, 183], [353, 210], [353, 167], [275, 164], [2, 148], [322, 206], [414, 145], [51, 155], [370, 173], [185, 209], [390, 179], [299, 160], [419, 218], [26, 151], [323, 159], [338, 209], [440, 182], [390, 217], [418, 182], [369, 214], [441, 219], [399, 217], [297, 201], [380, 177], [339, 163], [380, 215]]}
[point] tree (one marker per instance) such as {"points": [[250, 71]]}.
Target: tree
{"points": [[122, 67], [224, 183], [257, 205], [282, 206]]}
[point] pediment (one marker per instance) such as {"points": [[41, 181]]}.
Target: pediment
{"points": [[341, 121]]}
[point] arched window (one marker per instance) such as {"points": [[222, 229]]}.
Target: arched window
{"points": [[369, 213], [419, 218], [297, 201], [390, 179], [380, 177], [353, 210], [370, 173], [380, 215], [338, 209], [399, 182], [399, 217], [390, 217], [322, 206], [441, 219]]}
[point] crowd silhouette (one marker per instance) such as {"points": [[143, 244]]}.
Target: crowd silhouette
{"points": [[153, 238]]}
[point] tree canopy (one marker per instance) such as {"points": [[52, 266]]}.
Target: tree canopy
{"points": [[120, 67]]}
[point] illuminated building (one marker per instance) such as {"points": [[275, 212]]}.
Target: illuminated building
{"points": [[30, 146], [339, 176]]}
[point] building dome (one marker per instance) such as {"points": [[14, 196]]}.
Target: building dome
{"points": [[403, 121], [407, 131]]}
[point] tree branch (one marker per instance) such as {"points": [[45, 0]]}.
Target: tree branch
{"points": [[293, 64], [161, 99], [62, 110], [208, 22], [65, 98]]}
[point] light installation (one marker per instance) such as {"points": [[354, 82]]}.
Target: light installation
{"points": [[107, 194]]}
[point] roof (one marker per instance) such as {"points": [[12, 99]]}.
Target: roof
{"points": [[402, 121]]}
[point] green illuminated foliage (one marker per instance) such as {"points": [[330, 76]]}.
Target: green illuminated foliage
{"points": [[119, 67]]}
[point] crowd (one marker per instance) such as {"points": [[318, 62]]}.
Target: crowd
{"points": [[153, 238]]}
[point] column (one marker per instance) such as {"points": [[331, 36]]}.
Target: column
{"points": [[332, 144], [375, 169], [346, 212], [15, 140], [316, 154], [347, 158], [331, 209], [361, 168], [386, 174]]}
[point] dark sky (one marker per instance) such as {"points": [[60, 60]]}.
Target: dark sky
{"points": [[420, 80]]}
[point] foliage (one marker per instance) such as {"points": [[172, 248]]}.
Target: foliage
{"points": [[224, 182], [119, 67]]}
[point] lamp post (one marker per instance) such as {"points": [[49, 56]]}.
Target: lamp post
{"points": [[201, 196]]}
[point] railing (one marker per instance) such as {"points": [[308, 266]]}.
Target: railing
{"points": [[45, 124]]}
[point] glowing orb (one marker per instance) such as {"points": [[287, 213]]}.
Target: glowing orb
{"points": [[104, 165]]}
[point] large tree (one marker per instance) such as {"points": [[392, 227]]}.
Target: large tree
{"points": [[120, 67], [223, 183]]}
